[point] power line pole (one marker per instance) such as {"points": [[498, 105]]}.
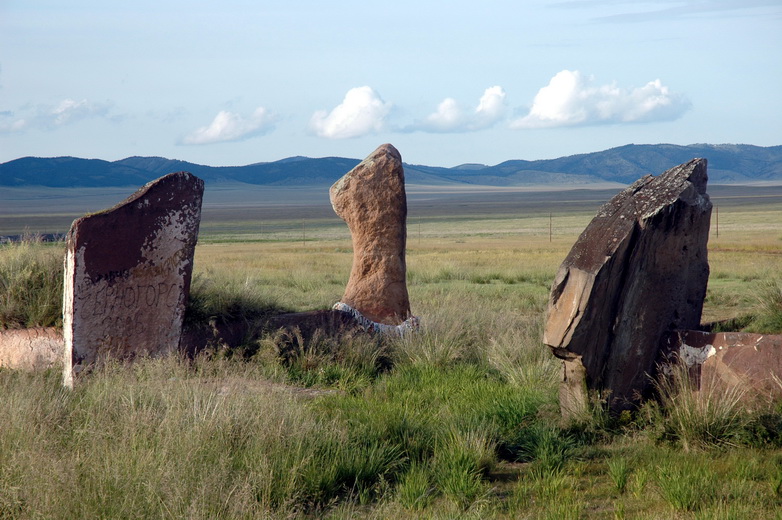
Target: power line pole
{"points": [[550, 227], [717, 208]]}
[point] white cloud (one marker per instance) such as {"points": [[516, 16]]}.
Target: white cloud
{"points": [[491, 107], [9, 123], [634, 11], [228, 126], [362, 112], [671, 10], [69, 111], [49, 117], [572, 99], [451, 117]]}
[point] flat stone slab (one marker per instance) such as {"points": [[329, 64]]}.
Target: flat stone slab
{"points": [[637, 271], [234, 333], [38, 348], [719, 360], [128, 272]]}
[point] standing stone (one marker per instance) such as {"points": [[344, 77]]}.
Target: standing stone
{"points": [[371, 200], [637, 271], [127, 274]]}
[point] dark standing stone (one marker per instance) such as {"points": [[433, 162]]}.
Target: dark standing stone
{"points": [[128, 271], [371, 200], [637, 271]]}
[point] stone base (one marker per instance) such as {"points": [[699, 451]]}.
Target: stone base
{"points": [[39, 348], [410, 324], [573, 395]]}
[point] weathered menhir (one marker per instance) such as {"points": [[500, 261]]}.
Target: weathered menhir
{"points": [[128, 272], [637, 272], [371, 199]]}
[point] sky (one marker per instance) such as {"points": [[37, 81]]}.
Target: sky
{"points": [[235, 82]]}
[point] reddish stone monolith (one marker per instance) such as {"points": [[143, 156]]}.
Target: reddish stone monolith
{"points": [[127, 274], [720, 361], [637, 271], [371, 200]]}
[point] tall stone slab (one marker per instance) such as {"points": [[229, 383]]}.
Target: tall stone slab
{"points": [[638, 271], [128, 272], [371, 199]]}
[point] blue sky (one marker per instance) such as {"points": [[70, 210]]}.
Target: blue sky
{"points": [[447, 82]]}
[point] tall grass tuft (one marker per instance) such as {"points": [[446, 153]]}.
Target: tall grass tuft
{"points": [[415, 489], [226, 298], [686, 485], [619, 471], [31, 284], [769, 319], [548, 447], [439, 343], [349, 363], [714, 417], [776, 481], [457, 475], [516, 353]]}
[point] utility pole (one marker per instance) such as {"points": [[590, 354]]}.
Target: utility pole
{"points": [[550, 227], [717, 209]]}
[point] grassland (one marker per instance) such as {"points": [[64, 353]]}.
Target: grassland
{"points": [[457, 421]]}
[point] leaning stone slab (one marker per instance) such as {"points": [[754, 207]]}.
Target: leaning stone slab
{"points": [[306, 326], [371, 199], [127, 274], [637, 271], [722, 360], [37, 348]]}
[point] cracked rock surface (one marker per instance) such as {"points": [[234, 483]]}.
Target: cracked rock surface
{"points": [[638, 271]]}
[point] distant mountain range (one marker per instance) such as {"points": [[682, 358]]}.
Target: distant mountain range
{"points": [[728, 164]]}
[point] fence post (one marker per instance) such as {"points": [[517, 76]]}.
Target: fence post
{"points": [[717, 208], [550, 227]]}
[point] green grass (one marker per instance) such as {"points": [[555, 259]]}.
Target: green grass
{"points": [[164, 442], [619, 471], [31, 284], [715, 417], [687, 486], [769, 319], [224, 438], [225, 298]]}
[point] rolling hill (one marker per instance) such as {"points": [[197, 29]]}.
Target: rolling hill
{"points": [[728, 164]]}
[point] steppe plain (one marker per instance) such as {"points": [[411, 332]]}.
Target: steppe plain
{"points": [[457, 422]]}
